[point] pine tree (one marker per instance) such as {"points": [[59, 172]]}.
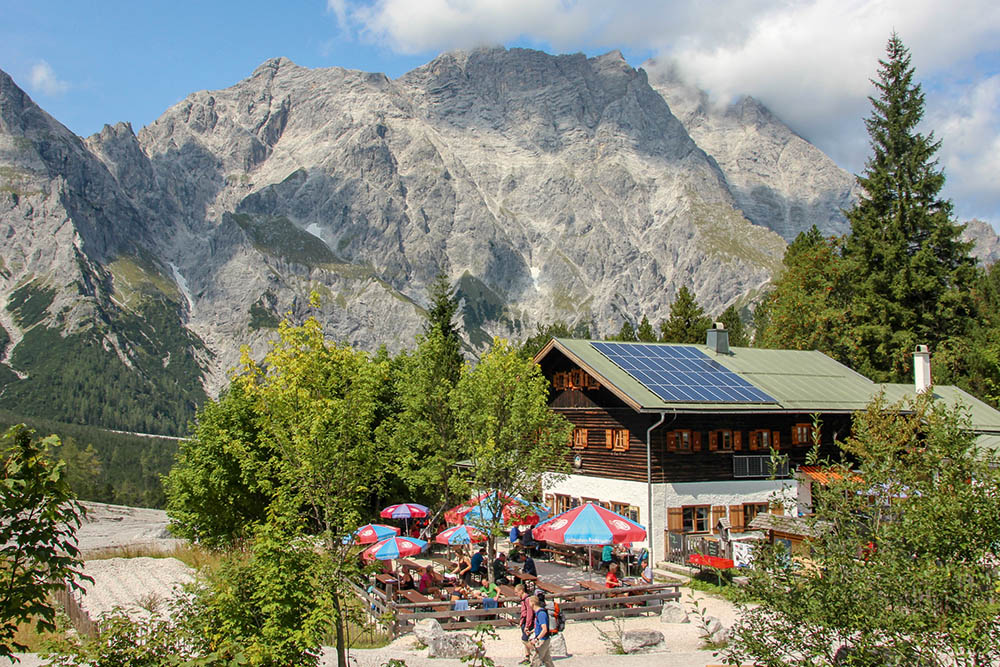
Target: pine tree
{"points": [[738, 336], [687, 322], [913, 272], [440, 318], [626, 334], [645, 333]]}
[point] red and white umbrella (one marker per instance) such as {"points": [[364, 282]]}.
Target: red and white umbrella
{"points": [[404, 511], [589, 524], [460, 535], [371, 533], [394, 547]]}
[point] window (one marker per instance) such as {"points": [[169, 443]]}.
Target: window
{"points": [[757, 466], [750, 510], [802, 434], [760, 439], [620, 443], [580, 438], [631, 511], [561, 503], [720, 441], [696, 519]]}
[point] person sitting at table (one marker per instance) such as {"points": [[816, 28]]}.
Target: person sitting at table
{"points": [[647, 574], [500, 573], [477, 562], [527, 540], [529, 566], [463, 569], [611, 580], [427, 581], [488, 594], [406, 582]]}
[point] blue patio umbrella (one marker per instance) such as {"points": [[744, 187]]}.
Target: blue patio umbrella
{"points": [[513, 511]]}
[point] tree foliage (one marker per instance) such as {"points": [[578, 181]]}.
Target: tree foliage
{"points": [[900, 567], [645, 333], [911, 271], [626, 334], [806, 310], [38, 521], [507, 429], [225, 476], [687, 322], [738, 334]]}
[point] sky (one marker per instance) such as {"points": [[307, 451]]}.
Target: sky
{"points": [[91, 62]]}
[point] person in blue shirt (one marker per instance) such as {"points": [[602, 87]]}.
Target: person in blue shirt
{"points": [[529, 566], [541, 639], [607, 556], [477, 562]]}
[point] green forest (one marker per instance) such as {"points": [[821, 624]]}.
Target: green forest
{"points": [[104, 466]]}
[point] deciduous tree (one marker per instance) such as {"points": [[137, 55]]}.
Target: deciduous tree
{"points": [[39, 517], [900, 569], [505, 424]]}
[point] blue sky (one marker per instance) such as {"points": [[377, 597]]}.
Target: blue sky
{"points": [[90, 63]]}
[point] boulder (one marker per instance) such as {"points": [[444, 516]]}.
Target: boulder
{"points": [[711, 626], [642, 641], [674, 612], [721, 636], [455, 645], [426, 630], [557, 645]]}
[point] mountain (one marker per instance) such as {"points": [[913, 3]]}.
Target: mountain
{"points": [[546, 187]]}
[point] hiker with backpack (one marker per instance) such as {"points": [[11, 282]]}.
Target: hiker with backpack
{"points": [[541, 638]]}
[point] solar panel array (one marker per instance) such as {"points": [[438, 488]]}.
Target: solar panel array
{"points": [[681, 373]]}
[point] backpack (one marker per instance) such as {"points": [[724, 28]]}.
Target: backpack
{"points": [[557, 622]]}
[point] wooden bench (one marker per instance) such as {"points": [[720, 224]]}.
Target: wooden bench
{"points": [[552, 589], [567, 555]]}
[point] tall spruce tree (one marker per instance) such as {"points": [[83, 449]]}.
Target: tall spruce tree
{"points": [[687, 322], [626, 334], [441, 318], [912, 271]]}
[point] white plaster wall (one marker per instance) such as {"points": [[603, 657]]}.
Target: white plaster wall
{"points": [[675, 495]]}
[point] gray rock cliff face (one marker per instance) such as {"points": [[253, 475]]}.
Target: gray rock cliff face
{"points": [[778, 179], [546, 187]]}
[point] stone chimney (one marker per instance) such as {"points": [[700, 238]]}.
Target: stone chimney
{"points": [[921, 369], [717, 338]]}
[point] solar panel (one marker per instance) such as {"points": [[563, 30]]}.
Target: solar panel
{"points": [[681, 373]]}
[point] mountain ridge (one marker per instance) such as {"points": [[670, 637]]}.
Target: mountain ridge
{"points": [[546, 187]]}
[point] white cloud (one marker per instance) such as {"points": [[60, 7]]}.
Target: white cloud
{"points": [[810, 61], [44, 80], [967, 122]]}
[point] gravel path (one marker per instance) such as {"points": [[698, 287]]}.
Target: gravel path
{"points": [[134, 584]]}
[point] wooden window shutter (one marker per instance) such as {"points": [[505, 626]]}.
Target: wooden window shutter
{"points": [[754, 440], [592, 382], [559, 380], [580, 438], [718, 512], [736, 516], [737, 441], [671, 442], [675, 519], [776, 440], [713, 441], [576, 378], [609, 438], [696, 441], [778, 509]]}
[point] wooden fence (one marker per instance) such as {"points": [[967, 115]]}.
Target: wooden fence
{"points": [[576, 604], [78, 616]]}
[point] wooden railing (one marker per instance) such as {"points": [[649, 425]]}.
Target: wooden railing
{"points": [[576, 604], [78, 616]]}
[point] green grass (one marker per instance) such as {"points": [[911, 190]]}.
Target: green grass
{"points": [[193, 556], [136, 280], [707, 582], [279, 237]]}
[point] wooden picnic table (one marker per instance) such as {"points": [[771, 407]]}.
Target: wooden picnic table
{"points": [[590, 585], [552, 589], [524, 576], [409, 564], [568, 555], [443, 562]]}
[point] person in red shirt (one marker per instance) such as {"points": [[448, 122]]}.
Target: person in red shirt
{"points": [[426, 585], [611, 580], [526, 622]]}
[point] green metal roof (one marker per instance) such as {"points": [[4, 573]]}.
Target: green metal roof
{"points": [[799, 380]]}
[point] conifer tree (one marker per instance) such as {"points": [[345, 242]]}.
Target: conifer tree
{"points": [[645, 333], [912, 271], [626, 334], [441, 318], [687, 322], [738, 336]]}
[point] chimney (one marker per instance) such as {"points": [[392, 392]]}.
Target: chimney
{"points": [[717, 338], [921, 369]]}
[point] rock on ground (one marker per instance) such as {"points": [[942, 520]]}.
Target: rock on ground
{"points": [[451, 645], [426, 630], [557, 645], [674, 612], [634, 641]]}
